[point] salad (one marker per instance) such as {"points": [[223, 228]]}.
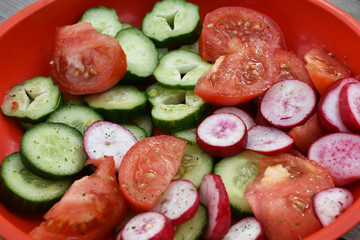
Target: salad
{"points": [[230, 71]]}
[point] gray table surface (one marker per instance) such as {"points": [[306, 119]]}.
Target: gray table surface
{"points": [[10, 7]]}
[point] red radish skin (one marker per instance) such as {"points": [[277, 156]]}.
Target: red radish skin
{"points": [[330, 203], [328, 108], [340, 154], [248, 120], [180, 201], [247, 228], [103, 138], [222, 135], [268, 140], [349, 106], [288, 103], [214, 196], [147, 226]]}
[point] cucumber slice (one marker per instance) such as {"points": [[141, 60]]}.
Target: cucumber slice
{"points": [[194, 165], [120, 104], [192, 229], [137, 131], [26, 193], [191, 47], [76, 116], [53, 150], [145, 122], [237, 172], [188, 134], [142, 56], [32, 100], [104, 20], [172, 23], [175, 110], [180, 69]]}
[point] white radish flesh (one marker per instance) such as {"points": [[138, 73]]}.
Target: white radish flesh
{"points": [[247, 228], [222, 135], [328, 108], [288, 103], [147, 226], [268, 140], [349, 106], [214, 196], [104, 138], [340, 154], [180, 201], [330, 203], [248, 120]]}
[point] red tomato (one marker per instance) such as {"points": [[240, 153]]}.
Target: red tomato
{"points": [[324, 68], [147, 169], [90, 209], [236, 26], [85, 61], [292, 67], [281, 194], [238, 77]]}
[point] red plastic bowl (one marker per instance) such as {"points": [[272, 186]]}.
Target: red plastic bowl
{"points": [[26, 40]]}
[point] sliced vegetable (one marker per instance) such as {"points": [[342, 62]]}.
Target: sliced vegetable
{"points": [[339, 153], [247, 228], [137, 131], [103, 138], [331, 203], [148, 168], [179, 202], [268, 140], [188, 134], [222, 135], [288, 103], [193, 228], [349, 106], [248, 120]]}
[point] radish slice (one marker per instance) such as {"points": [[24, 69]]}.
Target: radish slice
{"points": [[268, 140], [330, 203], [214, 196], [328, 108], [248, 120], [349, 106], [222, 135], [147, 226], [288, 103], [339, 153], [247, 228], [180, 201], [104, 138]]}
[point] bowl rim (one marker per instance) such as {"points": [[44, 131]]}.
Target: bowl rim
{"points": [[332, 230]]}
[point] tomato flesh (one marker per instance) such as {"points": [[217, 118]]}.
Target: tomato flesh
{"points": [[281, 195], [91, 208], [85, 61], [239, 77], [228, 26], [148, 168]]}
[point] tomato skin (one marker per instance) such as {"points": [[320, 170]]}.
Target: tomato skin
{"points": [[324, 68], [238, 77], [85, 61], [281, 195], [147, 169], [89, 210], [227, 26]]}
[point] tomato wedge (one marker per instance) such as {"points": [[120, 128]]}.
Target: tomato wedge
{"points": [[281, 195], [85, 61], [89, 210], [227, 26], [147, 169], [324, 68], [238, 77]]}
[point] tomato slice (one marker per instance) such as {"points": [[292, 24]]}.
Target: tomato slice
{"points": [[281, 194], [90, 209], [147, 169], [237, 25], [85, 61], [324, 68], [238, 77]]}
